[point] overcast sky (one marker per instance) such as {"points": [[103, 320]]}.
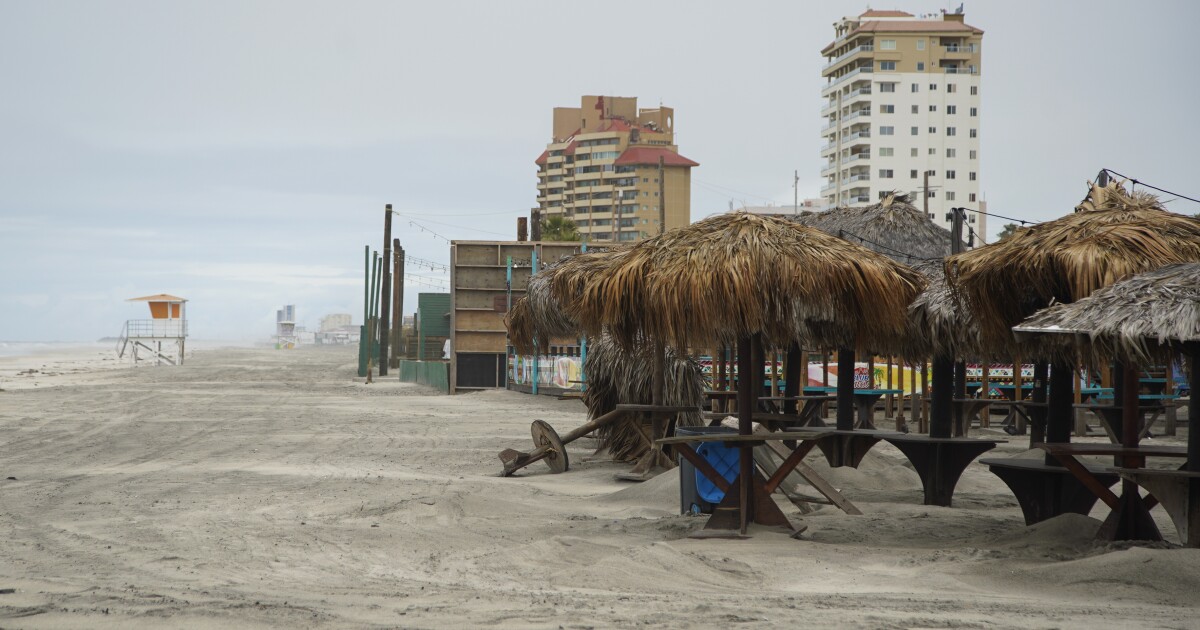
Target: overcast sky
{"points": [[240, 153]]}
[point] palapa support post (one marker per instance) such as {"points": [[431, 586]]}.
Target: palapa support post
{"points": [[385, 304], [1130, 519], [747, 401], [845, 389], [941, 414], [1037, 411], [793, 381], [1058, 410]]}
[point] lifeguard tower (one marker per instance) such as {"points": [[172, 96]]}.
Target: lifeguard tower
{"points": [[285, 328], [142, 339]]}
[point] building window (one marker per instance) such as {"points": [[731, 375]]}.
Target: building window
{"points": [[887, 65], [883, 193], [951, 153], [931, 173], [886, 151], [916, 109], [887, 87], [932, 151], [933, 130], [974, 111], [971, 176], [973, 154], [920, 44], [971, 197], [932, 87], [913, 173], [913, 151], [933, 108], [949, 195], [887, 131], [931, 193], [885, 173], [916, 88], [920, 66], [951, 109], [887, 109], [974, 90], [950, 131], [887, 44], [914, 131], [972, 218], [973, 133], [950, 174], [951, 88]]}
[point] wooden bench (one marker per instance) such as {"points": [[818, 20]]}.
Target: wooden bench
{"points": [[1044, 490]]}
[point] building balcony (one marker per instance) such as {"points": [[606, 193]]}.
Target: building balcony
{"points": [[854, 157], [828, 188], [829, 148], [860, 177], [856, 114], [842, 80], [829, 169], [960, 69], [847, 55], [857, 135]]}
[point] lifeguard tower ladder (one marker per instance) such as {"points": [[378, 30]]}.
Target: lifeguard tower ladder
{"points": [[143, 339]]}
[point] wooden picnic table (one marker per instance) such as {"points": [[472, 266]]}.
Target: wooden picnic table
{"points": [[1153, 405], [968, 410], [864, 403], [1136, 508], [812, 405]]}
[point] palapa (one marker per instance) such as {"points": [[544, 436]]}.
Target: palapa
{"points": [[893, 227], [538, 314], [739, 274], [1112, 236], [1144, 319]]}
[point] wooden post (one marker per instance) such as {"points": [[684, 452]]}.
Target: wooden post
{"points": [[925, 402], [746, 404], [985, 388], [888, 410], [941, 415], [845, 389], [1192, 350], [1077, 413], [385, 305], [774, 372]]}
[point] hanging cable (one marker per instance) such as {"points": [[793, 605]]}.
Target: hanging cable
{"points": [[1137, 181]]}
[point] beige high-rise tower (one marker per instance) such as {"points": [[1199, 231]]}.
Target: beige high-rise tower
{"points": [[602, 170], [902, 99]]}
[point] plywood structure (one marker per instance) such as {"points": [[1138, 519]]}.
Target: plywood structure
{"points": [[478, 280]]}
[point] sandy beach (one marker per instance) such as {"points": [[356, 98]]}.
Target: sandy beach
{"points": [[260, 488]]}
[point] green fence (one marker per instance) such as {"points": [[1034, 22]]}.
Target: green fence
{"points": [[435, 374]]}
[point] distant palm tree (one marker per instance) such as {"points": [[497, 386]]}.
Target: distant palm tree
{"points": [[1008, 230], [558, 228]]}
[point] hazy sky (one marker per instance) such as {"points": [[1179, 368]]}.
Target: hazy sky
{"points": [[240, 153]]}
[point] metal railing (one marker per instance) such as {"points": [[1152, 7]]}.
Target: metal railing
{"points": [[165, 328], [846, 55]]}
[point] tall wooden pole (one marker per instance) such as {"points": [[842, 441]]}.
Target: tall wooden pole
{"points": [[385, 305], [747, 398], [845, 389], [397, 301]]}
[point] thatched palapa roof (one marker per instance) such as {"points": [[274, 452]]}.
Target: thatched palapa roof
{"points": [[538, 314], [1067, 259], [893, 227], [616, 375], [738, 274], [1141, 319]]}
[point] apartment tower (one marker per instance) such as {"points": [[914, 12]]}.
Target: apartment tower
{"points": [[901, 110], [603, 168]]}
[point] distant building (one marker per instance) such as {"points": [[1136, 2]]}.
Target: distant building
{"points": [[601, 170], [902, 99], [805, 205], [334, 321]]}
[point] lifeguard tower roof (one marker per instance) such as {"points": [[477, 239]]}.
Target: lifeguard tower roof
{"points": [[161, 297]]}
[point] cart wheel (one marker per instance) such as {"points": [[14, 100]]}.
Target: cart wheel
{"points": [[544, 435]]}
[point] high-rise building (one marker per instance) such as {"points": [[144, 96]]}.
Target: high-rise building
{"points": [[901, 109], [603, 166]]}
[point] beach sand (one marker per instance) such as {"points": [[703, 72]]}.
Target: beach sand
{"points": [[261, 488]]}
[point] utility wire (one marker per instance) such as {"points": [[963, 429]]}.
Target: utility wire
{"points": [[427, 230], [1137, 181]]}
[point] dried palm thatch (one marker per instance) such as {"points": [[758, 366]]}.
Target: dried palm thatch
{"points": [[538, 314], [739, 274], [938, 322], [616, 375], [1143, 319], [893, 227], [1069, 258]]}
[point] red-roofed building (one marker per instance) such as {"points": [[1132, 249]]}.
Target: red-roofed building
{"points": [[902, 112], [602, 170]]}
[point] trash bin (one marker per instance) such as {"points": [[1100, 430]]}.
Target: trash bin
{"points": [[698, 495]]}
